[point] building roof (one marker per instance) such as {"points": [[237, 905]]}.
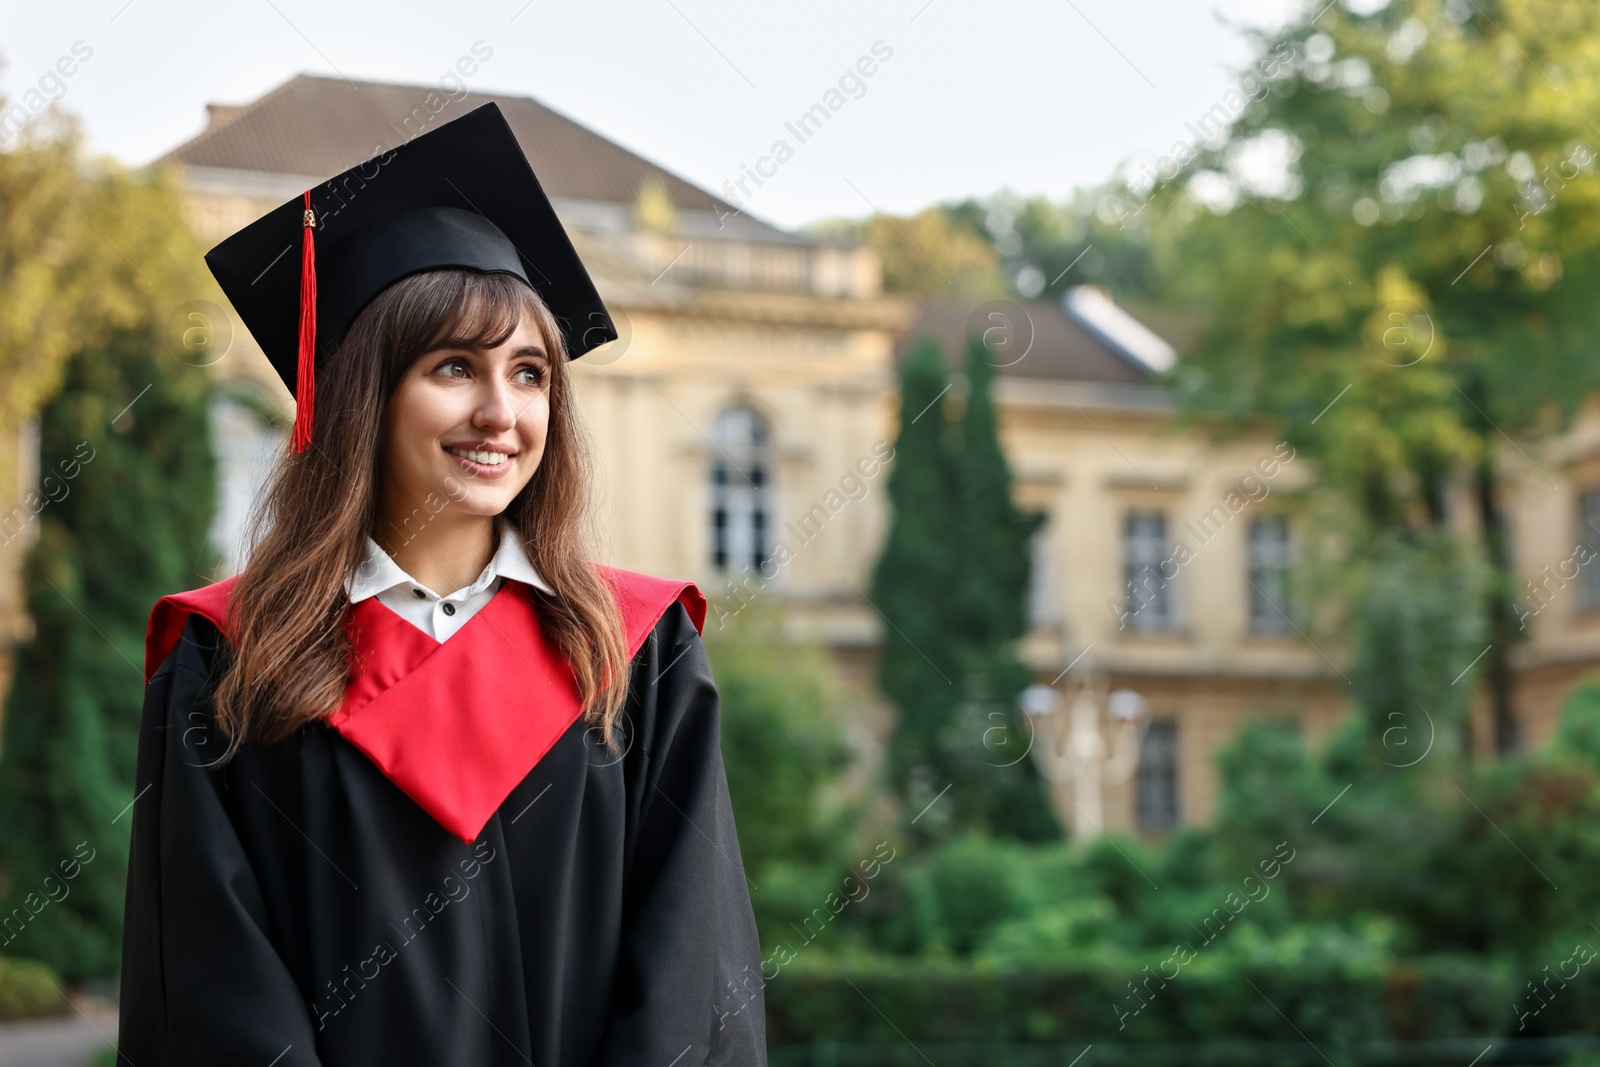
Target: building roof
{"points": [[1046, 339], [315, 127]]}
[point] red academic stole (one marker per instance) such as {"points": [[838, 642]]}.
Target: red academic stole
{"points": [[455, 724]]}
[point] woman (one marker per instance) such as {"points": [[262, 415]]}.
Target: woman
{"points": [[376, 824]]}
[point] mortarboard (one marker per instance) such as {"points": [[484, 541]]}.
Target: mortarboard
{"points": [[462, 195]]}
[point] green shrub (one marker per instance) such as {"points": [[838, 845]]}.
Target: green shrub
{"points": [[1336, 987], [28, 989]]}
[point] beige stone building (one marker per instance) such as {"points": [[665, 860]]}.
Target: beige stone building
{"points": [[751, 398]]}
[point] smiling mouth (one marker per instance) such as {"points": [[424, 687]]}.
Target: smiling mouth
{"points": [[488, 459]]}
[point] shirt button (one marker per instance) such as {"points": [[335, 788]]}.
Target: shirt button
{"points": [[420, 594], [449, 609]]}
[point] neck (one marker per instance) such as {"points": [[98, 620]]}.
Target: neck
{"points": [[445, 552]]}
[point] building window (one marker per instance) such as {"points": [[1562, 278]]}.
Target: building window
{"points": [[1043, 609], [1152, 603], [1158, 777], [1270, 608], [741, 511], [1589, 534]]}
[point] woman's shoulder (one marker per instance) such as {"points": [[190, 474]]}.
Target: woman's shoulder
{"points": [[645, 600], [172, 613]]}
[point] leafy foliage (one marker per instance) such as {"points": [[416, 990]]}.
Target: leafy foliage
{"points": [[930, 253], [786, 754], [83, 249], [123, 446]]}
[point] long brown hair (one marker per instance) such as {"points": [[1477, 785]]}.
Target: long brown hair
{"points": [[289, 658]]}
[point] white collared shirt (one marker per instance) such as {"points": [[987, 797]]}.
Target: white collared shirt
{"points": [[440, 616]]}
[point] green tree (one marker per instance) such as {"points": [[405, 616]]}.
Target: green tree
{"points": [[930, 252], [952, 585], [78, 259], [44, 261], [1045, 248], [988, 611], [909, 581], [126, 480], [1414, 286], [1416, 633]]}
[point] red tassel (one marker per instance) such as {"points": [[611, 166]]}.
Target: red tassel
{"points": [[305, 372]]}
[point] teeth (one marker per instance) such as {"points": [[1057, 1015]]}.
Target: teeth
{"points": [[488, 459]]}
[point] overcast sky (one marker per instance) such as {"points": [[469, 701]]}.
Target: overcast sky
{"points": [[1039, 97]]}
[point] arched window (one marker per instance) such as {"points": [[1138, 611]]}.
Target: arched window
{"points": [[741, 484]]}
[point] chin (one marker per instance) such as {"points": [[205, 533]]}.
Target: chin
{"points": [[472, 505], [473, 498]]}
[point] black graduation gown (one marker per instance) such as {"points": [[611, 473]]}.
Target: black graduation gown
{"points": [[295, 907]]}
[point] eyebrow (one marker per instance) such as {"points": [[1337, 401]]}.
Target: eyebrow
{"points": [[478, 350]]}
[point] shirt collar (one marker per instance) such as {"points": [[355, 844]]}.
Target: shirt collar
{"points": [[511, 560], [378, 572]]}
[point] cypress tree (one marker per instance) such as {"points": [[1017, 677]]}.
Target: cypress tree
{"points": [[910, 585], [990, 614], [952, 584]]}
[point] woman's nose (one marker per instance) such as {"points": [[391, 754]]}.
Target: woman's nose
{"points": [[495, 408]]}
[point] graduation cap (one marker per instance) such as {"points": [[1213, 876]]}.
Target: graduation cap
{"points": [[462, 195]]}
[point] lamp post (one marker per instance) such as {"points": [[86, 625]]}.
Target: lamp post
{"points": [[1075, 746]]}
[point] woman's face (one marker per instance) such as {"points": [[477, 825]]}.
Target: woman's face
{"points": [[468, 426]]}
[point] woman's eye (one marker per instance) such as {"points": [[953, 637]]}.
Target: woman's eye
{"points": [[452, 368], [533, 376]]}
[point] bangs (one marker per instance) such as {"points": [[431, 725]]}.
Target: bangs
{"points": [[452, 308], [486, 309]]}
